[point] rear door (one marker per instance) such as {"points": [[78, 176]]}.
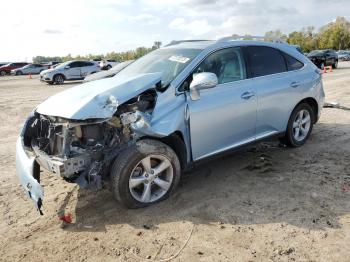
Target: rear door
{"points": [[88, 68], [278, 90], [36, 69], [224, 117]]}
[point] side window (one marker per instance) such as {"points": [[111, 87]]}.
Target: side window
{"points": [[227, 64], [265, 60], [292, 63], [74, 64]]}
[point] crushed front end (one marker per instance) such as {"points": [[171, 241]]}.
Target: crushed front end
{"points": [[80, 151]]}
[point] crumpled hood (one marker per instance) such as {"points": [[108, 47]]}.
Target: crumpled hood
{"points": [[97, 99]]}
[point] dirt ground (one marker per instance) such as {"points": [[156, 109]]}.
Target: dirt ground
{"points": [[263, 203]]}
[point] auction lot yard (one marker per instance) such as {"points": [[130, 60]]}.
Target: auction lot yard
{"points": [[263, 203]]}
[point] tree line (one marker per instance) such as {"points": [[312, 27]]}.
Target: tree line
{"points": [[118, 56], [334, 35]]}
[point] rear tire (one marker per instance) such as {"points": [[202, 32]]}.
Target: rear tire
{"points": [[19, 73], [149, 164], [2, 73], [58, 79], [300, 125]]}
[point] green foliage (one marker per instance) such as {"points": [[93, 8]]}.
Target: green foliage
{"points": [[335, 35]]}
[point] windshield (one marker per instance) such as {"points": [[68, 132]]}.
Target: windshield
{"points": [[63, 65], [169, 62], [316, 52]]}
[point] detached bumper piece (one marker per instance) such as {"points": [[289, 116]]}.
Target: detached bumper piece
{"points": [[28, 172]]}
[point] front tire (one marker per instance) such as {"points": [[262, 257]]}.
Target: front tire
{"points": [[145, 173], [58, 79], [19, 73], [300, 125]]}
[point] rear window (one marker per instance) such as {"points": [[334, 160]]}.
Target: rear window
{"points": [[263, 60], [292, 63]]}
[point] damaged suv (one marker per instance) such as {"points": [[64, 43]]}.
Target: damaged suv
{"points": [[139, 130]]}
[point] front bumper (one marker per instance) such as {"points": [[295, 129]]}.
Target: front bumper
{"points": [[28, 172], [45, 78]]}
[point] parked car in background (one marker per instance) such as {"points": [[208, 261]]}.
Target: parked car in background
{"points": [[29, 69], [51, 64], [109, 73], [108, 64], [177, 105], [322, 58], [343, 55], [68, 71], [6, 69]]}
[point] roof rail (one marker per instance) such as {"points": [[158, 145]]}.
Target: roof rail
{"points": [[176, 42], [251, 38]]}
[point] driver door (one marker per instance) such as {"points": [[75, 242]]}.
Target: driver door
{"points": [[73, 72], [225, 116]]}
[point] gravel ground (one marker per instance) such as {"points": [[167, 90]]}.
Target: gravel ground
{"points": [[263, 203]]}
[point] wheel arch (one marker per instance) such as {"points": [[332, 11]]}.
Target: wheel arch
{"points": [[311, 102], [177, 143], [57, 74]]}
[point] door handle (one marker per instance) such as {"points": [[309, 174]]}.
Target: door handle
{"points": [[247, 95], [295, 84]]}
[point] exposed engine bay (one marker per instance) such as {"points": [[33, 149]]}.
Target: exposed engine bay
{"points": [[82, 151]]}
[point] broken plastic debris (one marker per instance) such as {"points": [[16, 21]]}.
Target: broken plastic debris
{"points": [[67, 218]]}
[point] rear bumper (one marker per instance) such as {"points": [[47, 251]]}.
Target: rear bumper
{"points": [[26, 169]]}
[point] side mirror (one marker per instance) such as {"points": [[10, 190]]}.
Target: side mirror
{"points": [[202, 81]]}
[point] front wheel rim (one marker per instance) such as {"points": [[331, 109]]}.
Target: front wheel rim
{"points": [[151, 178], [59, 80], [301, 125]]}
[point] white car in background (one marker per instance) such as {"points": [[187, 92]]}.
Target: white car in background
{"points": [[108, 64], [109, 73], [29, 69], [343, 55], [69, 71]]}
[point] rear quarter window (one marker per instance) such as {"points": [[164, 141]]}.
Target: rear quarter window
{"points": [[292, 63]]}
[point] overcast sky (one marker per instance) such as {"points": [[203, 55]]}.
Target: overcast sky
{"points": [[47, 27]]}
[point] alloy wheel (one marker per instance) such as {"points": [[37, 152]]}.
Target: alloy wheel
{"points": [[301, 125], [151, 178], [59, 80]]}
